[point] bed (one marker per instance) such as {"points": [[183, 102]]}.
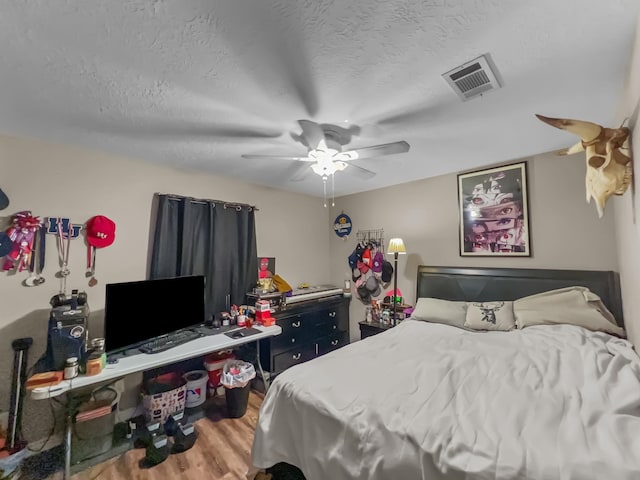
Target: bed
{"points": [[431, 401]]}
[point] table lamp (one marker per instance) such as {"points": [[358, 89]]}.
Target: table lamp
{"points": [[396, 246]]}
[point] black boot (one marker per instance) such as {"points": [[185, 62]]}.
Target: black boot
{"points": [[170, 426], [184, 438], [156, 452]]}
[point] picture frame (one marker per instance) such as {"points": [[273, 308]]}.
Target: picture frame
{"points": [[494, 212]]}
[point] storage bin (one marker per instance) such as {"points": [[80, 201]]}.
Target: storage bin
{"points": [[196, 387], [213, 364], [164, 395]]}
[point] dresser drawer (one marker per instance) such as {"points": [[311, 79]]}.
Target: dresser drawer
{"points": [[293, 323], [327, 327], [286, 341], [332, 342], [292, 357], [295, 331]]}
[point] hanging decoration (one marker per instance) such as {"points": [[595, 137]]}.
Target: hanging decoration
{"points": [[342, 226], [36, 264], [22, 235], [608, 157], [54, 224]]}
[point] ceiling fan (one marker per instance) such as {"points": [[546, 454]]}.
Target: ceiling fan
{"points": [[326, 157]]}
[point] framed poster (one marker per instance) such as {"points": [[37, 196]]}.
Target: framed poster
{"points": [[494, 212]]}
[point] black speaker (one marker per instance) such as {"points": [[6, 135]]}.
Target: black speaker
{"points": [[68, 334]]}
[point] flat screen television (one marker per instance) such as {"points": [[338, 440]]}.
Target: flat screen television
{"points": [[138, 311]]}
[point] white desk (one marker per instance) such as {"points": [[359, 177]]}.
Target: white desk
{"points": [[146, 361]]}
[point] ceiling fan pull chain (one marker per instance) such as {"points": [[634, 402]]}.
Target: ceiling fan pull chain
{"points": [[324, 186], [333, 191]]}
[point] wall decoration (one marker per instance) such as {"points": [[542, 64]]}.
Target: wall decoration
{"points": [[342, 226], [52, 224], [609, 168], [266, 270], [494, 212]]}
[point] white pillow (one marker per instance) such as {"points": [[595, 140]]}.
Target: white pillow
{"points": [[436, 310], [571, 305], [497, 315]]}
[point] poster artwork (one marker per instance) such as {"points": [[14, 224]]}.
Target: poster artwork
{"points": [[494, 214]]}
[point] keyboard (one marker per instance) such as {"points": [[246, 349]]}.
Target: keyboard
{"points": [[165, 342]]}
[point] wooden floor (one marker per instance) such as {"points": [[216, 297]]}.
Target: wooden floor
{"points": [[222, 452]]}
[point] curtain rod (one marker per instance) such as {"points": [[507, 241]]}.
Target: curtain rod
{"points": [[207, 200]]}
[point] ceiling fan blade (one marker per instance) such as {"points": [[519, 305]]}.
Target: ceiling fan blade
{"points": [[312, 133], [375, 151], [299, 172], [278, 157], [359, 171]]}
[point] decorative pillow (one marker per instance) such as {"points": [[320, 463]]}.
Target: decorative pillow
{"points": [[571, 305], [496, 315], [436, 310]]}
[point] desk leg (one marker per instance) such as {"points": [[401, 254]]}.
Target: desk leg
{"points": [[67, 448], [265, 379]]}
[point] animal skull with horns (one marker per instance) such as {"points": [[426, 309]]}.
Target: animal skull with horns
{"points": [[609, 169]]}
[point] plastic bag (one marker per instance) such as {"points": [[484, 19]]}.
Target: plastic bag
{"points": [[10, 466], [236, 373]]}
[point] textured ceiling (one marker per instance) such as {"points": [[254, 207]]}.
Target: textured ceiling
{"points": [[197, 83]]}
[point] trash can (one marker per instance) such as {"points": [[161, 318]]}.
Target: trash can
{"points": [[236, 378], [93, 423], [237, 400]]}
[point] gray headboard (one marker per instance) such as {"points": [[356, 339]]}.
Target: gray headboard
{"points": [[485, 284]]}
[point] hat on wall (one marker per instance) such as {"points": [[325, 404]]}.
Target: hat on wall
{"points": [[6, 244], [363, 267], [366, 257], [101, 231], [355, 274], [378, 260], [4, 200], [353, 259], [387, 271], [373, 285]]}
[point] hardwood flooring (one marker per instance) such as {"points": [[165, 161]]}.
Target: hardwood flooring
{"points": [[222, 452]]}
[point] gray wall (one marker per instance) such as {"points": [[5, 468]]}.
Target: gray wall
{"points": [[627, 207], [565, 231]]}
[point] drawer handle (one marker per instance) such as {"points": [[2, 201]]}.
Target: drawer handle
{"points": [[334, 342], [295, 324], [293, 340], [297, 356], [335, 326], [332, 314]]}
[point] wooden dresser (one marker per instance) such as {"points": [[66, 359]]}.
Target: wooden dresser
{"points": [[309, 330]]}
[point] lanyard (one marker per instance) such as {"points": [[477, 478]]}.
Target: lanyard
{"points": [[63, 252]]}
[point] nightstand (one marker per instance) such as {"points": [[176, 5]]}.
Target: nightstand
{"points": [[370, 329]]}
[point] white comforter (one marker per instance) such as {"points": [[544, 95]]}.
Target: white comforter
{"points": [[429, 401]]}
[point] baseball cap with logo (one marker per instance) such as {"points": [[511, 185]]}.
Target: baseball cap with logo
{"points": [[366, 257], [378, 260], [101, 231], [353, 259]]}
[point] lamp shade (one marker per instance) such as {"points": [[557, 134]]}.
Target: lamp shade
{"points": [[396, 245]]}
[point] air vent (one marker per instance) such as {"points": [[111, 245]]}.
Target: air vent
{"points": [[473, 78]]}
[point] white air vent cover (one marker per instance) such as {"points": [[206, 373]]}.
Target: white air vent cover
{"points": [[473, 78]]}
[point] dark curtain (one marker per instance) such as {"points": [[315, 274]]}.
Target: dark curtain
{"points": [[202, 237]]}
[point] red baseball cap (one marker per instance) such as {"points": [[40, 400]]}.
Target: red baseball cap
{"points": [[101, 231]]}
